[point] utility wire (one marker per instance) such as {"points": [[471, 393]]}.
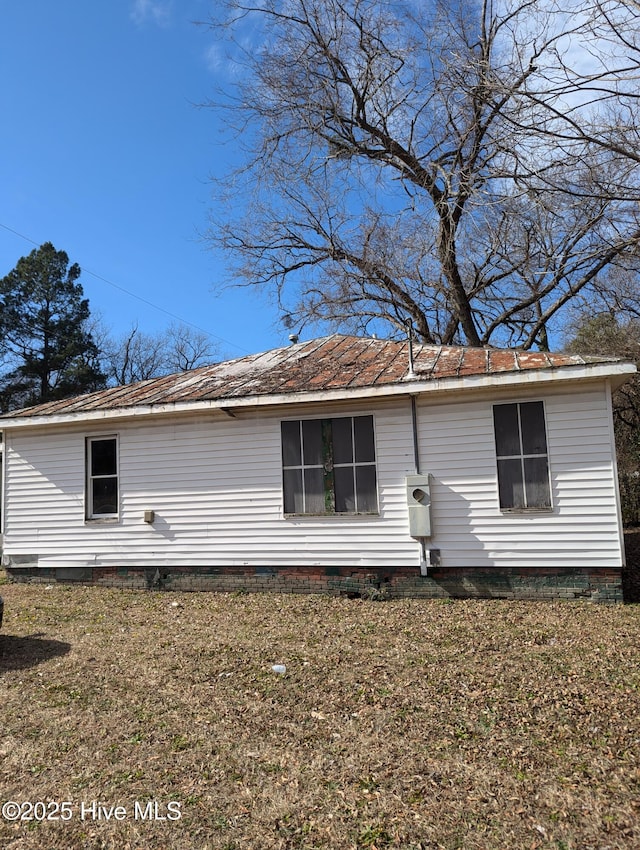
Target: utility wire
{"points": [[137, 297]]}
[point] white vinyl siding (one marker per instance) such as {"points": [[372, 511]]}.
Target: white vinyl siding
{"points": [[1, 482], [215, 485], [470, 529]]}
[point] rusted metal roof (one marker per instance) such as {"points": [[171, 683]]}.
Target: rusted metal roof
{"points": [[335, 362]]}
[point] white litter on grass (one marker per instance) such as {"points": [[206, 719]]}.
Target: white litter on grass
{"points": [[281, 669]]}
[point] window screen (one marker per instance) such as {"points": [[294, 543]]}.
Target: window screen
{"points": [[521, 451], [102, 476], [329, 466]]}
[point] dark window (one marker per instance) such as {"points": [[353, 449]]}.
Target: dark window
{"points": [[521, 450], [329, 466], [102, 477]]}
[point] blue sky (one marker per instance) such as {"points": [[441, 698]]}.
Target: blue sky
{"points": [[105, 153]]}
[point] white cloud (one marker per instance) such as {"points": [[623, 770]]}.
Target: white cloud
{"points": [[157, 12], [215, 57]]}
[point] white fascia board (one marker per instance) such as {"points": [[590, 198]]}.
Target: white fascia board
{"points": [[617, 373]]}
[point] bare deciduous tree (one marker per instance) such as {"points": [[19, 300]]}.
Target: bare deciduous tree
{"points": [[138, 356], [413, 160], [188, 348], [591, 96]]}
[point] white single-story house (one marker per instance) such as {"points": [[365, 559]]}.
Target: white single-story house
{"points": [[341, 464]]}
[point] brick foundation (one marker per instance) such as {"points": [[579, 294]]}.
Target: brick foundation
{"points": [[596, 585]]}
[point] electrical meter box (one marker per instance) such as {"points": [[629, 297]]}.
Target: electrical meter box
{"points": [[419, 504]]}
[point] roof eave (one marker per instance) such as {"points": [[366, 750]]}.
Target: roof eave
{"points": [[616, 373]]}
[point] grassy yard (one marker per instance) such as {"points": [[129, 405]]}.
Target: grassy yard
{"points": [[408, 724]]}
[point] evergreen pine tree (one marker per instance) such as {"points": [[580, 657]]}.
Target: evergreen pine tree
{"points": [[48, 353]]}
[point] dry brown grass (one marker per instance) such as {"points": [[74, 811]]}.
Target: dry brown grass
{"points": [[408, 724]]}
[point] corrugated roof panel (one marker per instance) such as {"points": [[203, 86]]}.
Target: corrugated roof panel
{"points": [[501, 360], [448, 363], [533, 360], [474, 362], [425, 358], [328, 363]]}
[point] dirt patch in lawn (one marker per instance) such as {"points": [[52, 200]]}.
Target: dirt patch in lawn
{"points": [[405, 724]]}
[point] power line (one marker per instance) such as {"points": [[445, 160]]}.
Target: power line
{"points": [[137, 297]]}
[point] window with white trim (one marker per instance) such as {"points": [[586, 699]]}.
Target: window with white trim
{"points": [[102, 477], [521, 452], [329, 466]]}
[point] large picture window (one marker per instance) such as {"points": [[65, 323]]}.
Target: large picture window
{"points": [[521, 450], [102, 477], [329, 466]]}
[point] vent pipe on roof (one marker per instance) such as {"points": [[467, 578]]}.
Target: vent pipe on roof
{"points": [[293, 338], [409, 326]]}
